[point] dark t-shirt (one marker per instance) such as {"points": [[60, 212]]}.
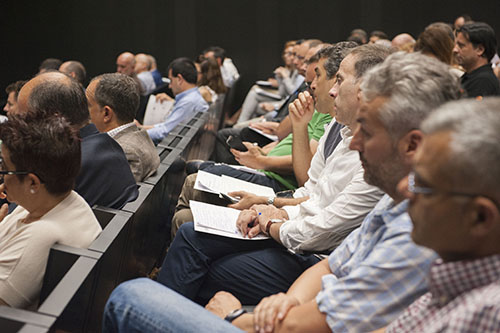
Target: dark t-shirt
{"points": [[481, 82]]}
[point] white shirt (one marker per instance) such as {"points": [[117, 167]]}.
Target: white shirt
{"points": [[112, 133], [229, 72], [339, 199], [24, 248], [147, 81]]}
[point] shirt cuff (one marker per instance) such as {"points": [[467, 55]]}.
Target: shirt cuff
{"points": [[292, 211]]}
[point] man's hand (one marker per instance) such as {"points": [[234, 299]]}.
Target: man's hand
{"points": [[253, 158], [272, 308], [268, 127], [247, 200], [246, 223], [4, 210], [266, 213], [222, 304], [162, 97], [302, 109], [266, 106]]}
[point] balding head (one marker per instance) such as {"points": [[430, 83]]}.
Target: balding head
{"points": [[75, 69], [401, 41], [125, 63], [54, 92], [142, 63]]}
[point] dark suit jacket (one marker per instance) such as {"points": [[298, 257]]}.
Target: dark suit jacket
{"points": [[105, 178]]}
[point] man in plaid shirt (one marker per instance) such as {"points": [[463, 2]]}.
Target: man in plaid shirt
{"points": [[454, 194]]}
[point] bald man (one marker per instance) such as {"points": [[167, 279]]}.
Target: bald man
{"points": [[403, 42], [105, 178], [75, 69]]}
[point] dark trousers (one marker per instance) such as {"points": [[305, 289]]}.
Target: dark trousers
{"points": [[198, 265], [218, 169]]}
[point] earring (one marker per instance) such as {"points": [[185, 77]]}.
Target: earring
{"points": [[32, 191]]}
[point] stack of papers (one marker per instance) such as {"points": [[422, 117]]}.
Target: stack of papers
{"points": [[217, 220], [157, 112]]}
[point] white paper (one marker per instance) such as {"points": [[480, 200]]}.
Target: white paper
{"points": [[209, 182], [157, 112], [217, 220], [263, 92]]}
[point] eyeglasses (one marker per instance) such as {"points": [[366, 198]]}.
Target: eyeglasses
{"points": [[412, 188]]}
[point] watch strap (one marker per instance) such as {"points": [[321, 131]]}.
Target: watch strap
{"points": [[234, 314]]}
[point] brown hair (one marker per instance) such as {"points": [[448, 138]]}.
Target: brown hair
{"points": [[211, 76], [437, 42]]}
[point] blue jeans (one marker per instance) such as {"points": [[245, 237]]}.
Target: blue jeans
{"points": [[143, 305], [197, 265]]}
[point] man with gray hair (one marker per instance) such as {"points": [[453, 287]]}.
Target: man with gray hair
{"points": [[377, 270], [113, 100], [454, 190], [142, 68]]}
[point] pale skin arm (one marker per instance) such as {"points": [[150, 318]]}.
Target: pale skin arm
{"points": [[280, 129], [4, 210], [303, 149], [247, 200]]}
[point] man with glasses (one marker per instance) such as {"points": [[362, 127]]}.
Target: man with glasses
{"points": [[454, 194], [377, 270]]}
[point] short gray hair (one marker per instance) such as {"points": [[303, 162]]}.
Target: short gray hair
{"points": [[475, 142], [120, 92], [415, 85]]}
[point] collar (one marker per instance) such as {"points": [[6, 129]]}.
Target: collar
{"points": [[346, 133], [88, 130], [183, 94], [112, 133], [387, 210], [450, 279], [483, 68]]}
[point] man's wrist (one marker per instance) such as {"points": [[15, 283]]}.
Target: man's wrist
{"points": [[234, 314]]}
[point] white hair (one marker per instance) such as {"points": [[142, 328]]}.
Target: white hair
{"points": [[415, 85], [475, 142]]}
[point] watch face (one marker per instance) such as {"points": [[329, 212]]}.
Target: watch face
{"points": [[276, 220]]}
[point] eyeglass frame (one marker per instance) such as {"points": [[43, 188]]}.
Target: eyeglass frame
{"points": [[412, 188]]}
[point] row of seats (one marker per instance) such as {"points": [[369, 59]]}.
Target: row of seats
{"points": [[133, 242]]}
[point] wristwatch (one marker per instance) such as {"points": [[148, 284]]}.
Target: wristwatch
{"points": [[234, 314], [270, 200], [270, 222]]}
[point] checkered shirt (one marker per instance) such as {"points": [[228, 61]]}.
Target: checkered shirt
{"points": [[464, 296], [377, 272]]}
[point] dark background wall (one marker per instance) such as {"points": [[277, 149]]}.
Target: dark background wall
{"points": [[252, 31]]}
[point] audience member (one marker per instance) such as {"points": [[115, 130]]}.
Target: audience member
{"points": [[375, 272], [461, 20], [277, 164], [188, 100], [209, 80], [125, 64], [49, 65], [155, 72], [113, 100], [40, 161], [142, 68], [376, 35], [475, 45], [74, 69], [403, 42], [322, 213], [454, 190], [12, 91], [227, 68], [359, 36], [105, 178]]}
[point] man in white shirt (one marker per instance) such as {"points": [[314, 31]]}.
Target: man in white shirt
{"points": [[142, 68], [331, 207]]}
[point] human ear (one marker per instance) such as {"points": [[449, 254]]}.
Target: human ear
{"points": [[409, 144], [33, 182], [108, 114], [485, 217], [479, 50]]}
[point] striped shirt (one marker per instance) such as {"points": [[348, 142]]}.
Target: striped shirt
{"points": [[377, 272], [464, 296]]}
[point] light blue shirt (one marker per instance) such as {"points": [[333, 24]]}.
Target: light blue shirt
{"points": [[377, 272], [187, 104]]}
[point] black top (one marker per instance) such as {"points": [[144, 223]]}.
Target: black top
{"points": [[105, 178], [481, 82]]}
